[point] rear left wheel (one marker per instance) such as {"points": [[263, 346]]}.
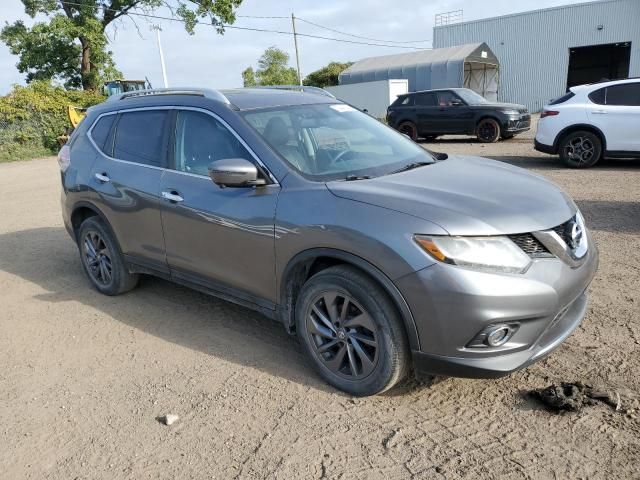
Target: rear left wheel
{"points": [[101, 259], [352, 332], [409, 129], [580, 149]]}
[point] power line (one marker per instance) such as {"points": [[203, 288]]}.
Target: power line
{"points": [[359, 36], [250, 29]]}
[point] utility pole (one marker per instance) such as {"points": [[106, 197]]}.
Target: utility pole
{"points": [[164, 68], [295, 41]]}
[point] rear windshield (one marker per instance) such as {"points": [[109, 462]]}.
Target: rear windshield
{"points": [[562, 99]]}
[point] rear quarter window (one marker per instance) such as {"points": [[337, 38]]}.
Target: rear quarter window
{"points": [[403, 101], [100, 132], [598, 96]]}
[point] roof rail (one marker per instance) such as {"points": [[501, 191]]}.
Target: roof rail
{"points": [[202, 92], [300, 88]]}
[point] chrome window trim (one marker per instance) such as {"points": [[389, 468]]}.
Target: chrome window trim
{"points": [[177, 107]]}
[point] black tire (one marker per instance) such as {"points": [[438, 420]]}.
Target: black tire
{"points": [[101, 259], [488, 130], [409, 129], [366, 342], [580, 149]]}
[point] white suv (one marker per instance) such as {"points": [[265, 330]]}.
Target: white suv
{"points": [[591, 122]]}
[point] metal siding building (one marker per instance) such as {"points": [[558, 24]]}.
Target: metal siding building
{"points": [[534, 47]]}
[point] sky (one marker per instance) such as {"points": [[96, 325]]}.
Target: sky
{"points": [[207, 59]]}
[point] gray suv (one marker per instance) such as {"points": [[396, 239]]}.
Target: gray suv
{"points": [[382, 257]]}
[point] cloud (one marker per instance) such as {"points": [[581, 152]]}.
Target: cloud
{"points": [[216, 61]]}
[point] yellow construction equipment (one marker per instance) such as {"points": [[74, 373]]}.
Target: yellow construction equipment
{"points": [[113, 87]]}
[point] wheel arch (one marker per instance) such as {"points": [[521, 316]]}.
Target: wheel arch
{"points": [[580, 127], [83, 210], [309, 262]]}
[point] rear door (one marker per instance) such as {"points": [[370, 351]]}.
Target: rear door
{"points": [[426, 108], [125, 179], [616, 112], [220, 238]]}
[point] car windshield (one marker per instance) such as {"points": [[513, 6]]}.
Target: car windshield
{"points": [[471, 97], [335, 141]]}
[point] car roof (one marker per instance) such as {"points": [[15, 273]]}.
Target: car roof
{"points": [[236, 99], [604, 83], [435, 90], [254, 98]]}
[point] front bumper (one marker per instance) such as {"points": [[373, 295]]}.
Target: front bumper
{"points": [[451, 305], [501, 365], [518, 125]]}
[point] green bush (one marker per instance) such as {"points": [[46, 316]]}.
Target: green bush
{"points": [[33, 117]]}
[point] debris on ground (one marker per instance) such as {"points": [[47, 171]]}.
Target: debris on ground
{"points": [[573, 396], [168, 419]]}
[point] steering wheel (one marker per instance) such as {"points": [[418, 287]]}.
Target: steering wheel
{"points": [[339, 156]]}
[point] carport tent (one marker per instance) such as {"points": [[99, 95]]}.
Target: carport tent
{"points": [[472, 66]]}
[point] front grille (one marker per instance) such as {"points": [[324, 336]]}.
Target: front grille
{"points": [[561, 230], [530, 245]]}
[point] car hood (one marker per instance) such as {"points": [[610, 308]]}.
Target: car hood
{"points": [[467, 196], [499, 105]]}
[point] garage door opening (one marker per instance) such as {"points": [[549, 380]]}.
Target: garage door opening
{"points": [[598, 62]]}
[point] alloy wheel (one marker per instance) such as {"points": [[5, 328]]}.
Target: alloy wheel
{"points": [[487, 131], [580, 149], [97, 257], [343, 334], [409, 130]]}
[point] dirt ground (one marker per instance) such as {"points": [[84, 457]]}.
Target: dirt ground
{"points": [[83, 376]]}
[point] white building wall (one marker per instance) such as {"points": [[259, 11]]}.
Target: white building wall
{"points": [[533, 47], [374, 97]]}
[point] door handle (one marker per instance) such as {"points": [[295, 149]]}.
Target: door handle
{"points": [[599, 112], [172, 196], [102, 177]]}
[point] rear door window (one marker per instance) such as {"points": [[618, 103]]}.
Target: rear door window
{"points": [[100, 132], [140, 137], [627, 94], [426, 99], [599, 96]]}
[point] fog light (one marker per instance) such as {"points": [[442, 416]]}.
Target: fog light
{"points": [[499, 335], [494, 335]]}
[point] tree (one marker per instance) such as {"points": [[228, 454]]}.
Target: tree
{"points": [[273, 69], [71, 44], [249, 77], [326, 76]]}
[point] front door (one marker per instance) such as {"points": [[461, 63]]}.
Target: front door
{"points": [[454, 115], [219, 238]]}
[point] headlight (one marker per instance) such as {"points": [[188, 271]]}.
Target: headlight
{"points": [[495, 254], [511, 112]]}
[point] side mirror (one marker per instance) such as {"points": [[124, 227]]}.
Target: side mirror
{"points": [[456, 103], [234, 172]]}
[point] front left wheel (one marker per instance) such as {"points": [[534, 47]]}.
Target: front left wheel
{"points": [[488, 130], [350, 329]]}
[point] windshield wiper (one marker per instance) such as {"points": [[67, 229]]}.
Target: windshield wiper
{"points": [[410, 166], [352, 178]]}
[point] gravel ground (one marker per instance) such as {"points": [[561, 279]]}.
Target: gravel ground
{"points": [[84, 377]]}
